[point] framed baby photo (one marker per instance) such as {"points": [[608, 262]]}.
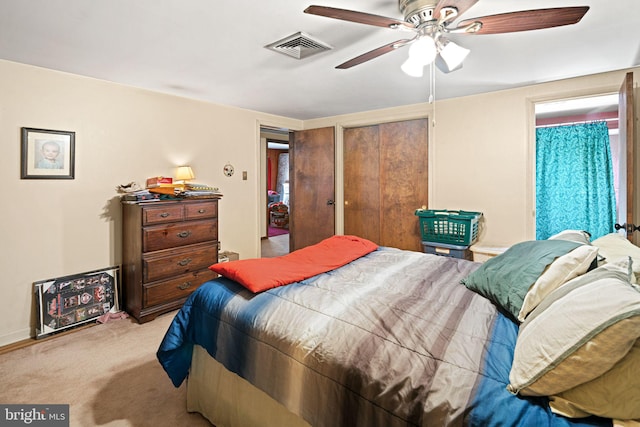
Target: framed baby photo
{"points": [[47, 154]]}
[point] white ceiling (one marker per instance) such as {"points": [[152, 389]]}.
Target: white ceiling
{"points": [[213, 50], [578, 106]]}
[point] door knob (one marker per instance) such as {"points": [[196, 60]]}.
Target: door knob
{"points": [[629, 228], [330, 202]]}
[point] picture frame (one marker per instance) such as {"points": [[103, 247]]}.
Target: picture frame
{"points": [[47, 154], [70, 301]]}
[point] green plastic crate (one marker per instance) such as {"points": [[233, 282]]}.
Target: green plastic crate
{"points": [[448, 226]]}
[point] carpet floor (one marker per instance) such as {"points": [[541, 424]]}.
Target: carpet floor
{"points": [[275, 231], [107, 373]]}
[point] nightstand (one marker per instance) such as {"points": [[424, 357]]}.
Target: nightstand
{"points": [[482, 251]]}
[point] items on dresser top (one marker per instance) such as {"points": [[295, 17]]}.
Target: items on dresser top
{"points": [[167, 247]]}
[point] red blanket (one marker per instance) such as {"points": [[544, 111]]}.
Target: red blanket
{"points": [[260, 274]]}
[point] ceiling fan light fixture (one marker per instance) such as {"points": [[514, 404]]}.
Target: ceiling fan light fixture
{"points": [[423, 50], [452, 54], [431, 19], [412, 68]]}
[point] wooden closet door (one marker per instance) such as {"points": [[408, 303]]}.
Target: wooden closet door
{"points": [[385, 181], [362, 182], [403, 178]]}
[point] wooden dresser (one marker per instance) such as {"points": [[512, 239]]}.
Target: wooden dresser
{"points": [[167, 249]]}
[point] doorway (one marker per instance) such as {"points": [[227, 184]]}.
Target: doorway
{"points": [[311, 189], [602, 171], [276, 199]]}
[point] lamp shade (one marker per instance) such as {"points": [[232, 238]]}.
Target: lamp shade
{"points": [[423, 50], [452, 55], [413, 68], [184, 173]]}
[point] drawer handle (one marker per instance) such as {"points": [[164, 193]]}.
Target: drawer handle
{"points": [[185, 285], [184, 234], [202, 211], [164, 214], [184, 262]]}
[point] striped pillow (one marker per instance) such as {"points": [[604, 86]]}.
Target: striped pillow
{"points": [[577, 333], [612, 395]]}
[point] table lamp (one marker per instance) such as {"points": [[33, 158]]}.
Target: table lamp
{"points": [[184, 174]]}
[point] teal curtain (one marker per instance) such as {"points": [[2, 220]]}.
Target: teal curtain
{"points": [[574, 180]]}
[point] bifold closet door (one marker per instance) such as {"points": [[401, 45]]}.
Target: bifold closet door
{"points": [[362, 182], [385, 181]]}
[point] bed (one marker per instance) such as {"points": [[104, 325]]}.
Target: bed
{"points": [[390, 338]]}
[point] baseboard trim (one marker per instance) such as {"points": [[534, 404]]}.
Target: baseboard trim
{"points": [[31, 341]]}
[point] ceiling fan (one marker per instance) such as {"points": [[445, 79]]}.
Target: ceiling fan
{"points": [[431, 21]]}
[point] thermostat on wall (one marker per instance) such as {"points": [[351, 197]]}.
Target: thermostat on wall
{"points": [[228, 169]]}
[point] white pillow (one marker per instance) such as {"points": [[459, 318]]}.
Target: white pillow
{"points": [[578, 236], [562, 270], [615, 246]]}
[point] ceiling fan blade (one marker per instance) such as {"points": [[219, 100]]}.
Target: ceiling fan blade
{"points": [[461, 5], [373, 54], [527, 20], [359, 17]]}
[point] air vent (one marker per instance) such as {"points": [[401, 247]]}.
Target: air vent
{"points": [[299, 46]]}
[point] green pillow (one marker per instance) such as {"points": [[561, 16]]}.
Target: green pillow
{"points": [[524, 274]]}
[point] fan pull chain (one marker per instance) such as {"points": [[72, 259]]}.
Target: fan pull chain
{"points": [[432, 92], [432, 83]]}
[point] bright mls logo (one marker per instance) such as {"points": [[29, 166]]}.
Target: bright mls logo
{"points": [[34, 415]]}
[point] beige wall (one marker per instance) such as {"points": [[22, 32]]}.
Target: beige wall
{"points": [[480, 160], [482, 150], [52, 228]]}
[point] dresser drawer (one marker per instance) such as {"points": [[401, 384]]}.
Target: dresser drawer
{"points": [[162, 213], [170, 262], [201, 210], [175, 288], [178, 234]]}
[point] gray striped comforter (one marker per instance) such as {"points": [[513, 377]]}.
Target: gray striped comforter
{"points": [[391, 339]]}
